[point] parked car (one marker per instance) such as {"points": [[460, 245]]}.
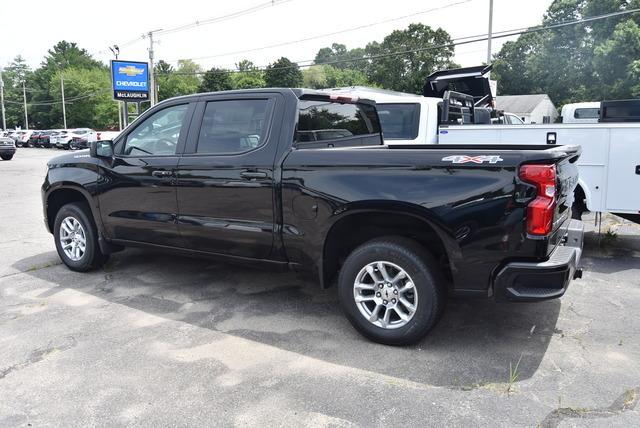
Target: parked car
{"points": [[23, 138], [7, 148], [33, 139], [81, 138], [227, 175], [45, 138]]}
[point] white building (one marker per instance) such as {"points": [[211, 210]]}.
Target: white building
{"points": [[530, 108]]}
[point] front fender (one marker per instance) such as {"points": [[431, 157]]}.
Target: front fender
{"points": [[82, 179]]}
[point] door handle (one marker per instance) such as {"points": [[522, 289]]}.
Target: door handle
{"points": [[162, 173], [253, 174]]}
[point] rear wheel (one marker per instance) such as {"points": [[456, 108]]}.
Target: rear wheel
{"points": [[391, 290], [76, 238], [6, 157]]}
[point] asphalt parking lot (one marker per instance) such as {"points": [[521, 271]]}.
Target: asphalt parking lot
{"points": [[158, 339]]}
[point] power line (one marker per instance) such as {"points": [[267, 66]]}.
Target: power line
{"points": [[221, 18], [203, 22], [455, 42], [67, 100], [334, 33]]}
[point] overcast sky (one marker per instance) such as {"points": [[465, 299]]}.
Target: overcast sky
{"points": [[95, 25]]}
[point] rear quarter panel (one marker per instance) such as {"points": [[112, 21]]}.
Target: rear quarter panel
{"points": [[472, 207]]}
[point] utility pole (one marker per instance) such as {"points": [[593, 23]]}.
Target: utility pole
{"points": [[4, 118], [24, 97], [64, 111], [489, 34], [152, 78]]}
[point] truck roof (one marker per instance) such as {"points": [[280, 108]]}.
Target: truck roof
{"points": [[385, 96]]}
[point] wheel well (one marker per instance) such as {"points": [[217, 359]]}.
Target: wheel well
{"points": [[59, 198], [357, 229]]}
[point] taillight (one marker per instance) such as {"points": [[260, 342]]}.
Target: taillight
{"points": [[540, 211]]}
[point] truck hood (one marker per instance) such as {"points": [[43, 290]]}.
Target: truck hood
{"points": [[80, 156], [469, 80]]}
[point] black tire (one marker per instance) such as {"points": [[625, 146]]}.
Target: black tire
{"points": [[419, 264], [579, 207], [6, 157], [92, 257]]}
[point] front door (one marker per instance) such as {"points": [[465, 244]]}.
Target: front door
{"points": [[226, 177], [138, 192]]}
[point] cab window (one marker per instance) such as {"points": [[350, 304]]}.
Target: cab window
{"points": [[320, 120], [233, 126], [158, 134]]}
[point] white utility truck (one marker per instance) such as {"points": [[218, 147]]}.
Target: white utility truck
{"points": [[451, 112]]}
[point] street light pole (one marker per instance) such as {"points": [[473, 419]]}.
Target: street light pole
{"points": [[152, 78], [4, 118], [64, 111], [116, 51], [24, 97]]}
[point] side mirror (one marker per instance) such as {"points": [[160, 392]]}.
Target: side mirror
{"points": [[101, 149]]}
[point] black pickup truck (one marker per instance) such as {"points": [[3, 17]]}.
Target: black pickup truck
{"points": [[298, 179]]}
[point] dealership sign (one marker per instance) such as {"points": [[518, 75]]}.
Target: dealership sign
{"points": [[130, 80]]}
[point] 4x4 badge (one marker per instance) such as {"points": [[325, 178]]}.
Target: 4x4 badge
{"points": [[473, 159]]}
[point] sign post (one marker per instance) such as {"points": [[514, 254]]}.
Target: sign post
{"points": [[130, 82]]}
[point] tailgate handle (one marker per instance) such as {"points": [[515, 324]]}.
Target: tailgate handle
{"points": [[551, 138]]}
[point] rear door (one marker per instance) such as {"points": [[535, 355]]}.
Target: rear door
{"points": [[623, 181], [226, 178]]}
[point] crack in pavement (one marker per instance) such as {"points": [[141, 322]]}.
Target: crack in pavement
{"points": [[40, 354], [626, 401]]}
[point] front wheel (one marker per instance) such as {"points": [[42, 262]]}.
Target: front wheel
{"points": [[76, 238], [6, 157], [391, 290]]}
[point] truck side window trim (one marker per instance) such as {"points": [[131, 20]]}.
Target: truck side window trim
{"points": [[121, 142], [269, 113]]}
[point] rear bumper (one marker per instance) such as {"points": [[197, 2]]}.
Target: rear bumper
{"points": [[534, 281]]}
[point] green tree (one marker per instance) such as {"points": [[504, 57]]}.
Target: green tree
{"points": [[407, 71], [14, 74], [283, 73], [327, 76], [63, 56], [583, 62], [248, 76], [173, 82], [88, 99], [215, 79]]}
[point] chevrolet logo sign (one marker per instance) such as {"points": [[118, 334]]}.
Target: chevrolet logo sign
{"points": [[131, 70]]}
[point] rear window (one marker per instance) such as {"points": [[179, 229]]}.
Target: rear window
{"points": [[586, 113], [399, 121], [321, 120]]}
